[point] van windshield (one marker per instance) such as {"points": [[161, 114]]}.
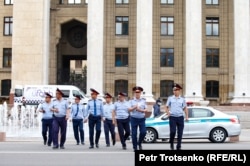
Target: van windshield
{"points": [[18, 92], [80, 93]]}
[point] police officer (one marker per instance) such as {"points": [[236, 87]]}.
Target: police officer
{"points": [[78, 115], [61, 115], [157, 107], [108, 107], [120, 116], [47, 119], [95, 111], [137, 113], [175, 106]]}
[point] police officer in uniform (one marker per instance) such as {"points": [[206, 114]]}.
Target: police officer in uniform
{"points": [[47, 119], [120, 116], [61, 115], [95, 111], [175, 107], [78, 115], [137, 113], [108, 107]]}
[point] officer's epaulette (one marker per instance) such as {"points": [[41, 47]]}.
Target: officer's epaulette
{"points": [[89, 99], [54, 99], [143, 98], [100, 99]]}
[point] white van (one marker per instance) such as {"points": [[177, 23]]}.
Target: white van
{"points": [[35, 94]]}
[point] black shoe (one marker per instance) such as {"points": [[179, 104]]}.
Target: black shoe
{"points": [[44, 142], [62, 147], [91, 147], [49, 144], [113, 142], [77, 143], [83, 143], [140, 147], [97, 146], [107, 145], [171, 147], [178, 148], [124, 147], [55, 147]]}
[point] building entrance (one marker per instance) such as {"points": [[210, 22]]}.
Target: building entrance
{"points": [[72, 54]]}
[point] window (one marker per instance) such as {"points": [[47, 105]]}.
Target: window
{"points": [[7, 56], [122, 2], [212, 26], [65, 93], [8, 2], [121, 86], [212, 89], [167, 57], [8, 26], [212, 2], [199, 113], [121, 57], [168, 2], [78, 64], [212, 57], [166, 88], [6, 86], [74, 1], [121, 26], [167, 26]]}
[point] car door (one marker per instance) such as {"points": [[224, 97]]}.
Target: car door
{"points": [[198, 122], [162, 127]]}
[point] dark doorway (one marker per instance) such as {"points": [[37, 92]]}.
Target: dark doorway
{"points": [[72, 46]]}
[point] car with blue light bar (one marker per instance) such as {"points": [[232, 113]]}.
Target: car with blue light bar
{"points": [[203, 123]]}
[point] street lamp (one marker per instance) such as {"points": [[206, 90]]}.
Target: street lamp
{"points": [[194, 96], [243, 94]]}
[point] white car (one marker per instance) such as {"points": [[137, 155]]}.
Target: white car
{"points": [[203, 122]]}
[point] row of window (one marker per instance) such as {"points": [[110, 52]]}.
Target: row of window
{"points": [[166, 57], [167, 26], [169, 2], [212, 87], [121, 57], [122, 26]]}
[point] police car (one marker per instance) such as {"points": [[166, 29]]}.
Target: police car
{"points": [[203, 122]]}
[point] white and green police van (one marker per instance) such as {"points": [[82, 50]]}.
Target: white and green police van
{"points": [[35, 94]]}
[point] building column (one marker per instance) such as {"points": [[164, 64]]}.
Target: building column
{"points": [[193, 49], [144, 31], [30, 42], [95, 37], [241, 52]]}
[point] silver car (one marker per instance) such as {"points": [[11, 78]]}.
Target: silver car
{"points": [[203, 122]]}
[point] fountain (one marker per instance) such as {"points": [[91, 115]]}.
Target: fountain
{"points": [[22, 122]]}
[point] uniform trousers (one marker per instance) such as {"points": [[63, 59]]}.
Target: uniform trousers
{"points": [[59, 123], [123, 125], [78, 128], [47, 127], [135, 123], [109, 127], [173, 123], [94, 122]]}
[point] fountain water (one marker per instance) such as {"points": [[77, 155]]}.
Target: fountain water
{"points": [[23, 121]]}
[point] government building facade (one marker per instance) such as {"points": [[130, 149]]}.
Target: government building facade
{"points": [[203, 45]]}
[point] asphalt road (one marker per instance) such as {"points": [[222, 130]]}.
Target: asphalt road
{"points": [[34, 153]]}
